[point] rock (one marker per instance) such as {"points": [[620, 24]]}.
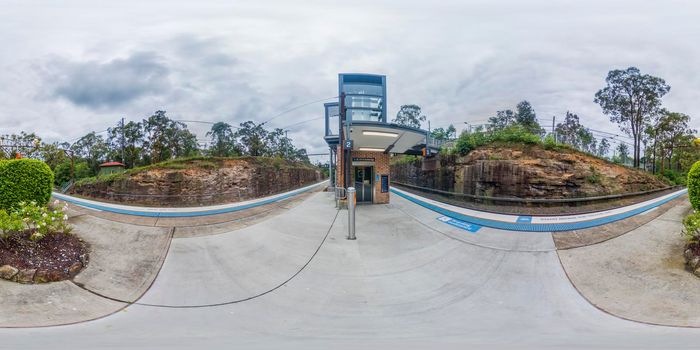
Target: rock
{"points": [[693, 262], [83, 259], [26, 276], [525, 172], [688, 254], [202, 181], [41, 276], [56, 275], [74, 269], [696, 272], [8, 272]]}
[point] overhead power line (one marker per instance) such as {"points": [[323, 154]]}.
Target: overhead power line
{"points": [[297, 107]]}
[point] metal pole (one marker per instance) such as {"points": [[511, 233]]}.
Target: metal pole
{"points": [[123, 143], [351, 213], [554, 118]]}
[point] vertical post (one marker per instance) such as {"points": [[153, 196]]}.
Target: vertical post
{"points": [[554, 118], [72, 166], [351, 213], [123, 142], [330, 166]]}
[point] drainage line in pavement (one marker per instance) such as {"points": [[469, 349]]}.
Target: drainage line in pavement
{"points": [[325, 237]]}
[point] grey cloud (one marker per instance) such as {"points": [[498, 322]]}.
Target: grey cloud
{"points": [[95, 84]]}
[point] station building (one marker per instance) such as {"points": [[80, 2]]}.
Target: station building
{"points": [[361, 140]]}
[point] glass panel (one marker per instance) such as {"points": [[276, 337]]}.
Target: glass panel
{"points": [[363, 89], [333, 126], [332, 113], [364, 114], [364, 101]]}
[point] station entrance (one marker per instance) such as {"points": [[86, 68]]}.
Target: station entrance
{"points": [[364, 183]]}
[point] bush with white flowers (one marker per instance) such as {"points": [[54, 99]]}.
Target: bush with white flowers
{"points": [[38, 220]]}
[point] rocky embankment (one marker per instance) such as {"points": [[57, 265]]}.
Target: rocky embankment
{"points": [[202, 181], [525, 172]]}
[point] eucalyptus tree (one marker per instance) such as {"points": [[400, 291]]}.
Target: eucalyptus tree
{"points": [[631, 99], [410, 115], [224, 142]]}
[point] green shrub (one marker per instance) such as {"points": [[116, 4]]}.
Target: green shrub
{"points": [[515, 134], [691, 228], [674, 177], [24, 180], [550, 142], [10, 223], [511, 134], [694, 185], [595, 177], [81, 170]]}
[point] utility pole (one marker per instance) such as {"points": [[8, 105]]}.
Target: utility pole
{"points": [[554, 120], [347, 153], [123, 142], [286, 144]]}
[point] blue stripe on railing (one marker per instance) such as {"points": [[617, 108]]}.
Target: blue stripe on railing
{"points": [[136, 212], [520, 226]]}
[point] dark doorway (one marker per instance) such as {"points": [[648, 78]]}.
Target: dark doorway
{"points": [[364, 182]]}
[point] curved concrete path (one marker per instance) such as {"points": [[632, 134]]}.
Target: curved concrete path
{"points": [[124, 262], [408, 281]]}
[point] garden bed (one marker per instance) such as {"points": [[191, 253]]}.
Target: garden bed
{"points": [[56, 257], [692, 258]]}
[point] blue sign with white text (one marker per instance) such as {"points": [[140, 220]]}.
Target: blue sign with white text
{"points": [[459, 223]]}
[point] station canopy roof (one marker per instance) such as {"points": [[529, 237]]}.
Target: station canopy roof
{"points": [[383, 137]]}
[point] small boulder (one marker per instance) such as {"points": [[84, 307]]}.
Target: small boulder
{"points": [[26, 276], [41, 276], [694, 262], [688, 254], [75, 268], [8, 272]]}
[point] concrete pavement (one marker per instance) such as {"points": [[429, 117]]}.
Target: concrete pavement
{"points": [[408, 281]]}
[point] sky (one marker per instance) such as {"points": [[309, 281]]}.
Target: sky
{"points": [[71, 67]]}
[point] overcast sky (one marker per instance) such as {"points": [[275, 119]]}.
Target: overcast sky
{"points": [[72, 68]]}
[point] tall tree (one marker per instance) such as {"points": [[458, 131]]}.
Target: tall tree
{"points": [[501, 120], [603, 148], [622, 153], [671, 131], [525, 116], [444, 134], [630, 99], [409, 115], [223, 140], [93, 149], [166, 138], [126, 143], [253, 138]]}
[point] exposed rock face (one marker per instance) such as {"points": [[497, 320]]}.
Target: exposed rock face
{"points": [[525, 172], [203, 182]]}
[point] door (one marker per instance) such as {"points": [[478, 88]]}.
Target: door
{"points": [[364, 182]]}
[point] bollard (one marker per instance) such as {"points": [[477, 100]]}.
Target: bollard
{"points": [[351, 212]]}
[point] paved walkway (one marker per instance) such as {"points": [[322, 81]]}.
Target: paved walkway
{"points": [[410, 280]]}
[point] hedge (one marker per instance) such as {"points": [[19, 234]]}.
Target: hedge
{"points": [[24, 180], [694, 185]]}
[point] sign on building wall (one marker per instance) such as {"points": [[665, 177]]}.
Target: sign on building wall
{"points": [[385, 183], [363, 159]]}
